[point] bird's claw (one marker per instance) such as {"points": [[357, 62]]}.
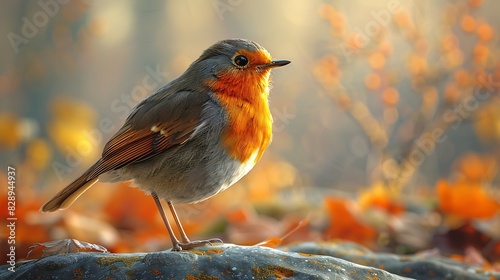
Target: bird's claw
{"points": [[193, 244]]}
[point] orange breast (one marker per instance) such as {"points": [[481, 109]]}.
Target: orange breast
{"points": [[244, 95]]}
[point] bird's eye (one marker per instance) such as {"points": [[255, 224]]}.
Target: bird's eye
{"points": [[240, 60]]}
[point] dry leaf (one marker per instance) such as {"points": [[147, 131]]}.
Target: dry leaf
{"points": [[61, 247]]}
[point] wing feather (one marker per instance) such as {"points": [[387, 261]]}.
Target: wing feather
{"points": [[157, 124]]}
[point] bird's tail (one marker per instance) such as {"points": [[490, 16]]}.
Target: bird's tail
{"points": [[70, 194]]}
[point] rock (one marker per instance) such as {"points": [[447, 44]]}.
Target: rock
{"points": [[223, 261], [423, 266]]}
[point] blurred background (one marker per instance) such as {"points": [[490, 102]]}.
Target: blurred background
{"points": [[386, 124]]}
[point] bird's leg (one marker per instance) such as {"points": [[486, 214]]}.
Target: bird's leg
{"points": [[187, 244], [176, 245], [184, 237], [175, 242]]}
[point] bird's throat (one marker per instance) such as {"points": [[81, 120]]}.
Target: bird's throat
{"points": [[249, 127]]}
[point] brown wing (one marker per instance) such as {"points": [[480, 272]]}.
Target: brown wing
{"points": [[131, 146], [156, 124]]}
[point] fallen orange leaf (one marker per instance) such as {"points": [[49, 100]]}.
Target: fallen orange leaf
{"points": [[240, 215], [344, 225], [381, 197], [60, 247], [273, 242], [465, 200]]}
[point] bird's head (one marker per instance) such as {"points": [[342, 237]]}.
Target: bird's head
{"points": [[236, 67]]}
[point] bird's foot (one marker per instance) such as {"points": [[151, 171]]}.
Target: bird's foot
{"points": [[193, 244]]}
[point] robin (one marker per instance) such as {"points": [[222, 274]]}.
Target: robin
{"points": [[194, 137]]}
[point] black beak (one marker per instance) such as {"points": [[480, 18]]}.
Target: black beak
{"points": [[273, 64]]}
